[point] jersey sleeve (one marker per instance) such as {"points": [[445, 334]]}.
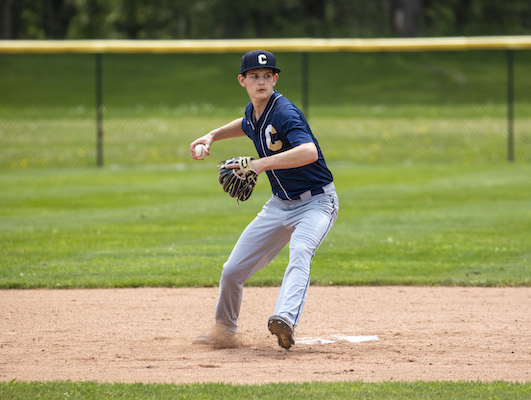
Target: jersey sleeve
{"points": [[295, 127]]}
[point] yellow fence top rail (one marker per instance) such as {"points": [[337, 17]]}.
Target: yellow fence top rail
{"points": [[280, 45]]}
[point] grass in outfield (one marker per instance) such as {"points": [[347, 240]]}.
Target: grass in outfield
{"points": [[138, 82], [163, 226], [422, 107], [67, 142], [341, 390]]}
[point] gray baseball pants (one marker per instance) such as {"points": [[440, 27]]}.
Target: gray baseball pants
{"points": [[304, 224]]}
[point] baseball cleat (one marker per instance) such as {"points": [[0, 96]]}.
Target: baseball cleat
{"points": [[283, 329]]}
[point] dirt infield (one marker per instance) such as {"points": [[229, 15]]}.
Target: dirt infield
{"points": [[145, 335]]}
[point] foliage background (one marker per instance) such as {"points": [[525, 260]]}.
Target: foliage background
{"points": [[217, 19]]}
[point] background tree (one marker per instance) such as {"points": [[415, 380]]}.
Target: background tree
{"points": [[216, 19]]}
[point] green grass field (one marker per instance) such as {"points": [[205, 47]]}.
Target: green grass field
{"points": [[364, 107], [416, 142], [164, 226], [354, 390]]}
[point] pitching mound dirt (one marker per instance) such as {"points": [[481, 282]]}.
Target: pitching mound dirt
{"points": [[146, 335]]}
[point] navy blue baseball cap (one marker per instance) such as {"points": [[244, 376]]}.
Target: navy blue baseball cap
{"points": [[258, 59]]}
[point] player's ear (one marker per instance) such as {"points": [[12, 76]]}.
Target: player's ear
{"points": [[241, 79], [275, 79]]}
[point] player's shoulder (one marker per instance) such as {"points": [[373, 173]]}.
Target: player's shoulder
{"points": [[285, 110], [284, 106], [279, 98]]}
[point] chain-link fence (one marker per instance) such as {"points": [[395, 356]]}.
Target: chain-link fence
{"points": [[455, 106]]}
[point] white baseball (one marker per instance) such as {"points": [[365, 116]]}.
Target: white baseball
{"points": [[200, 151]]}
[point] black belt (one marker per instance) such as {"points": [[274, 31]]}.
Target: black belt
{"points": [[328, 188], [317, 191], [314, 192]]}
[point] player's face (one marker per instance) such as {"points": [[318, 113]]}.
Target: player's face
{"points": [[259, 83]]}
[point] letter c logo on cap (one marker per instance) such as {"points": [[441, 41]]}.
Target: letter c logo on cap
{"points": [[262, 59]]}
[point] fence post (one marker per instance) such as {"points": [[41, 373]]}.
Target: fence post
{"points": [[99, 113], [305, 83], [510, 105]]}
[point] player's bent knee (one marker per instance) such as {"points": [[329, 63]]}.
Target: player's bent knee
{"points": [[233, 275], [302, 247]]}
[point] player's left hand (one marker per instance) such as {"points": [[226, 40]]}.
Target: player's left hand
{"points": [[238, 177], [241, 171]]}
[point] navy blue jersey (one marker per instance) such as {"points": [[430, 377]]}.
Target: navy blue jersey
{"points": [[282, 126]]}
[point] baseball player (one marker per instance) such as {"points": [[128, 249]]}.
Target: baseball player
{"points": [[301, 210]]}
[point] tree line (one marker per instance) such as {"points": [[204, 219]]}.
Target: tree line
{"points": [[234, 19]]}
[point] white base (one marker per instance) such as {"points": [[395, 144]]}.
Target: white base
{"points": [[336, 338]]}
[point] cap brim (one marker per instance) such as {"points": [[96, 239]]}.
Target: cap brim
{"points": [[274, 69]]}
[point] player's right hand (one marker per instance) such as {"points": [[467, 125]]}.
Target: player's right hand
{"points": [[202, 140]]}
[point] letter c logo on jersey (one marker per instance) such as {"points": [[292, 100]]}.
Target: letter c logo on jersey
{"points": [[262, 59], [272, 141]]}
